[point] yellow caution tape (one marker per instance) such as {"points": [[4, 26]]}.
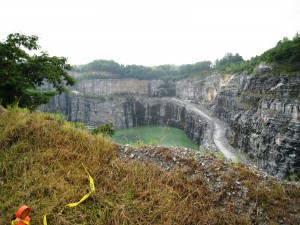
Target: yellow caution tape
{"points": [[70, 205], [18, 221], [45, 218]]}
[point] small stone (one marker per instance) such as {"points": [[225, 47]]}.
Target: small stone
{"points": [[131, 156]]}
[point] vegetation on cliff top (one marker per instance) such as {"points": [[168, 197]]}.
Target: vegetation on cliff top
{"points": [[40, 166], [284, 56], [115, 70]]}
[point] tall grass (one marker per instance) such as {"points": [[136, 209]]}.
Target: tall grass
{"points": [[40, 166]]}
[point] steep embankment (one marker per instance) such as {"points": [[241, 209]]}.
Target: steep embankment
{"points": [[264, 117], [40, 165], [218, 132], [262, 111]]}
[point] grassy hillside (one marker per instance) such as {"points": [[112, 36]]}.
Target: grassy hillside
{"points": [[41, 166]]}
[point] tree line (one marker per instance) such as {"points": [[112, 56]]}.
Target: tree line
{"points": [[139, 71], [285, 56], [22, 75]]}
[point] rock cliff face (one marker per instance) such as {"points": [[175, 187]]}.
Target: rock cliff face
{"points": [[166, 111], [262, 111], [202, 89], [126, 112], [106, 87]]}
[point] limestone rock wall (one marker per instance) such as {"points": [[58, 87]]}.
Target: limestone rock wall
{"points": [[263, 113], [105, 87], [203, 89], [165, 111], [129, 112]]}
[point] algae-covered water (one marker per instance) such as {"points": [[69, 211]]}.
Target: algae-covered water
{"points": [[154, 135]]}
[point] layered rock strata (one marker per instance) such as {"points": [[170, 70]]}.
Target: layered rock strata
{"points": [[262, 111], [130, 112]]}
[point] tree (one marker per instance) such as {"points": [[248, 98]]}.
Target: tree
{"points": [[228, 59], [23, 76]]}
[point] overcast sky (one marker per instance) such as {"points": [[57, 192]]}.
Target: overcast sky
{"points": [[151, 32]]}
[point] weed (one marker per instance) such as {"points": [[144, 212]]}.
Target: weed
{"points": [[55, 116], [106, 130], [138, 143], [153, 142], [217, 154], [238, 158], [15, 108], [78, 125], [293, 176]]}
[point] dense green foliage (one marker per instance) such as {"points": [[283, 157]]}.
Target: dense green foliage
{"points": [[285, 56], [21, 73], [106, 130], [228, 59], [235, 65], [115, 70]]}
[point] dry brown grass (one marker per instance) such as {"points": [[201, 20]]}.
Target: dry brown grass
{"points": [[278, 199], [41, 167]]}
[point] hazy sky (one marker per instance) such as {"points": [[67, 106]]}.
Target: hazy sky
{"points": [[152, 32]]}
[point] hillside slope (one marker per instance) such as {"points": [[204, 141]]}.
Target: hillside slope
{"points": [[40, 166]]}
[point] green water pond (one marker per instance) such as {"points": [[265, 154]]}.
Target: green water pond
{"points": [[154, 135]]}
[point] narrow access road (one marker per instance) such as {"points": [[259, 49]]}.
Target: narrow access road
{"points": [[219, 129]]}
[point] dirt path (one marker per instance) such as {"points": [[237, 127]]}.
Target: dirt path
{"points": [[219, 129]]}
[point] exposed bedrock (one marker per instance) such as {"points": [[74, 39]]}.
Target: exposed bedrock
{"points": [[131, 111], [203, 89], [262, 112], [107, 87]]}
